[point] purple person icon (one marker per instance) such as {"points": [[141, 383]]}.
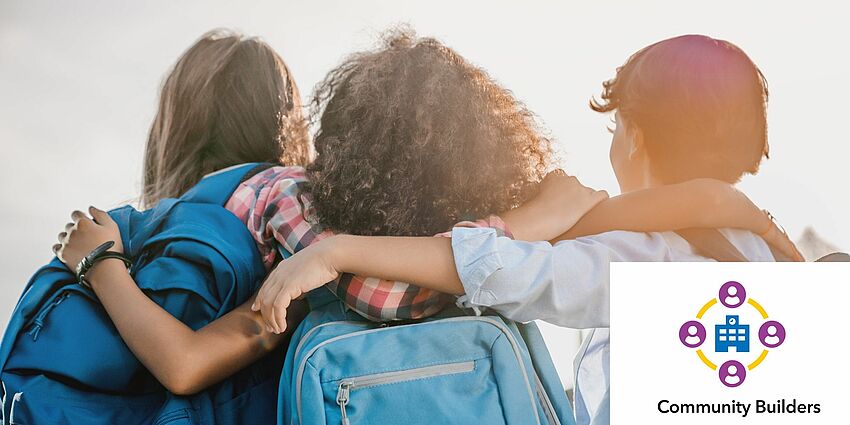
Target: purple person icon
{"points": [[692, 334], [732, 294], [732, 373], [772, 334]]}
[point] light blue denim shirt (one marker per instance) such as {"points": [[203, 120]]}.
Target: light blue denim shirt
{"points": [[567, 284]]}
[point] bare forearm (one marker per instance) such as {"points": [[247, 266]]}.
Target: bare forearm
{"points": [[424, 261], [183, 360], [158, 341], [698, 203], [624, 213]]}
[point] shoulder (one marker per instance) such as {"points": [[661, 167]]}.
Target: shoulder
{"points": [[274, 186], [752, 246], [634, 246], [277, 174], [668, 246], [272, 181], [626, 238]]}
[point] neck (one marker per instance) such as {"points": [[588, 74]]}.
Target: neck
{"points": [[644, 181]]}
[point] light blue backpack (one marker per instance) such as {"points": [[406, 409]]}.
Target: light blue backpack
{"points": [[454, 369]]}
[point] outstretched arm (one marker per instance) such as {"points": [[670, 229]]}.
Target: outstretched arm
{"points": [[429, 262], [706, 203], [565, 209], [183, 360], [380, 299], [695, 203], [533, 221]]}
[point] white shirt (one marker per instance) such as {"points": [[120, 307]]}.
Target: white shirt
{"points": [[567, 284]]}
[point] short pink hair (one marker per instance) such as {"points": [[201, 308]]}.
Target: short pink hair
{"points": [[701, 104]]}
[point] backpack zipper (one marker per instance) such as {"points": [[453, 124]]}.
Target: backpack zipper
{"points": [[342, 400], [548, 408], [343, 395], [38, 321], [316, 328], [304, 340], [505, 331]]}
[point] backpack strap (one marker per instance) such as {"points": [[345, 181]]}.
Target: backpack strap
{"points": [[217, 188], [711, 243]]}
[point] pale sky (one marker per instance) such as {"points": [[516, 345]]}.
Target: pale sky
{"points": [[79, 80]]}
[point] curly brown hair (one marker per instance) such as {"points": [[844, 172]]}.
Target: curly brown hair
{"points": [[413, 138]]}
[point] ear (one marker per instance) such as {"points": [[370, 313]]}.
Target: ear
{"points": [[636, 146]]}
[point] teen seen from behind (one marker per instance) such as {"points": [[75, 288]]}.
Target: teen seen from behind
{"points": [[686, 108], [386, 166]]}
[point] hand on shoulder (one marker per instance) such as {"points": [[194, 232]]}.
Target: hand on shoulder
{"points": [[560, 202]]}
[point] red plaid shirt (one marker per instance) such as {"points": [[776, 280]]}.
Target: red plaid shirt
{"points": [[279, 214]]}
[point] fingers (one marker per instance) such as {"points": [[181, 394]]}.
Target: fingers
{"points": [[267, 310], [559, 172], [559, 182], [100, 217], [264, 303], [62, 237], [765, 222], [602, 195], [80, 219], [777, 237], [780, 240], [796, 255], [271, 311], [77, 215], [262, 294], [281, 304], [558, 176], [272, 302]]}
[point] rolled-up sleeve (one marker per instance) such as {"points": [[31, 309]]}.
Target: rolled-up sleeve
{"points": [[566, 284]]}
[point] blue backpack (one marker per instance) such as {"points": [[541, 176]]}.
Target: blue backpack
{"points": [[63, 361], [452, 369]]}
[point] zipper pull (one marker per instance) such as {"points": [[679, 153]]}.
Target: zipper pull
{"points": [[342, 400], [38, 321], [35, 329]]}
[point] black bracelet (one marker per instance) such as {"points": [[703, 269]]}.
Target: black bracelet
{"points": [[96, 255], [84, 264]]}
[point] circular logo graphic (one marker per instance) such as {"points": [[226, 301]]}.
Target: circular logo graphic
{"points": [[732, 294], [732, 373], [692, 334], [732, 334], [771, 334]]}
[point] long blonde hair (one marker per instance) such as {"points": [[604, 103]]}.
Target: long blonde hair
{"points": [[228, 100]]}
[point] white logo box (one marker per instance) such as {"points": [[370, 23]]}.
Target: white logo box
{"points": [[650, 301]]}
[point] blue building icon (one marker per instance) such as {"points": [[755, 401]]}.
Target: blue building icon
{"points": [[732, 334]]}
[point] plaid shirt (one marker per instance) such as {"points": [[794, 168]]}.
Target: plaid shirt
{"points": [[279, 214]]}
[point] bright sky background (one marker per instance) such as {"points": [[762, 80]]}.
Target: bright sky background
{"points": [[79, 80]]}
